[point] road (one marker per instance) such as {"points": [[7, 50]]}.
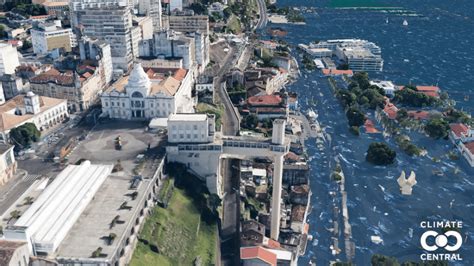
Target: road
{"points": [[230, 121], [263, 19]]}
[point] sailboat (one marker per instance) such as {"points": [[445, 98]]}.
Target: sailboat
{"points": [[386, 21], [405, 22]]}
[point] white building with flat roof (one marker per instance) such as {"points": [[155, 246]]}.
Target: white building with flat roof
{"points": [[196, 128], [47, 222], [388, 87], [8, 59]]}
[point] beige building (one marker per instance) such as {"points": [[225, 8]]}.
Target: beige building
{"points": [[49, 36], [188, 22], [7, 164], [44, 112], [80, 90]]}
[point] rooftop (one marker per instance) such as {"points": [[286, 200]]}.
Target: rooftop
{"points": [[264, 100], [459, 129], [297, 213], [163, 80], [8, 118], [55, 211], [94, 224], [260, 253], [187, 117]]}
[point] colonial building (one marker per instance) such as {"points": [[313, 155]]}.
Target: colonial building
{"points": [[44, 112], [146, 95], [7, 163], [81, 90]]}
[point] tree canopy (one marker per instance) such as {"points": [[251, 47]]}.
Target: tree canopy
{"points": [[410, 96], [355, 117], [437, 128], [24, 135], [380, 153]]}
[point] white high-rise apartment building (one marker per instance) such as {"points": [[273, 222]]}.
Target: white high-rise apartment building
{"points": [[151, 8], [49, 36], [8, 59], [110, 21]]}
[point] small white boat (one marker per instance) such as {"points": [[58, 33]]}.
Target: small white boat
{"points": [[386, 20], [376, 239], [405, 22], [312, 115]]}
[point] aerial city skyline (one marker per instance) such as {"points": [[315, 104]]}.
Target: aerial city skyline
{"points": [[236, 132]]}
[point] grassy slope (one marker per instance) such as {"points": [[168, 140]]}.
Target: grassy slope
{"points": [[174, 231]]}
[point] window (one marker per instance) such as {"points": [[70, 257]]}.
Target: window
{"points": [[195, 136], [112, 103], [151, 105], [188, 136], [106, 104], [195, 127]]}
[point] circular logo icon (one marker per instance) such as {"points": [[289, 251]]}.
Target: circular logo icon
{"points": [[440, 240]]}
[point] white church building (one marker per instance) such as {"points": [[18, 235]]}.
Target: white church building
{"points": [[143, 95]]}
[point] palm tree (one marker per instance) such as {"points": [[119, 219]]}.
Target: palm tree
{"points": [[28, 200]]}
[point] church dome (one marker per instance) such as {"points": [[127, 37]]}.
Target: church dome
{"points": [[138, 78]]}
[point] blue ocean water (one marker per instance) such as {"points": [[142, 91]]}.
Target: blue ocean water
{"points": [[435, 48]]}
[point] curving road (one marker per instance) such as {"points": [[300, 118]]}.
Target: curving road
{"points": [[263, 19]]}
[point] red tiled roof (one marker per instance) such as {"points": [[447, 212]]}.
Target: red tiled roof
{"points": [[273, 244], [54, 76], [391, 110], [419, 115], [337, 72], [260, 253], [458, 129], [370, 127], [432, 91], [470, 146], [264, 100]]}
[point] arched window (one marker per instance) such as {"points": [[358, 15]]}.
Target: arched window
{"points": [[137, 94]]}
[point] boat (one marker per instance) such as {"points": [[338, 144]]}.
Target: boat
{"points": [[312, 115], [386, 21], [405, 22], [376, 239]]}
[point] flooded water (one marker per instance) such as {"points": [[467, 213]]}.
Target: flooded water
{"points": [[435, 48]]}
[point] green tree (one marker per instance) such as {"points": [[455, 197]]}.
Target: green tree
{"points": [[402, 114], [379, 153], [362, 79], [355, 116], [26, 45], [437, 128], [251, 121], [24, 135]]}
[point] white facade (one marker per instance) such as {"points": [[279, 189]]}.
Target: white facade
{"points": [[151, 8], [138, 97], [467, 151], [170, 44], [110, 23], [195, 128], [44, 112], [7, 163], [46, 223], [8, 59], [50, 37], [100, 51], [204, 158], [388, 87]]}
